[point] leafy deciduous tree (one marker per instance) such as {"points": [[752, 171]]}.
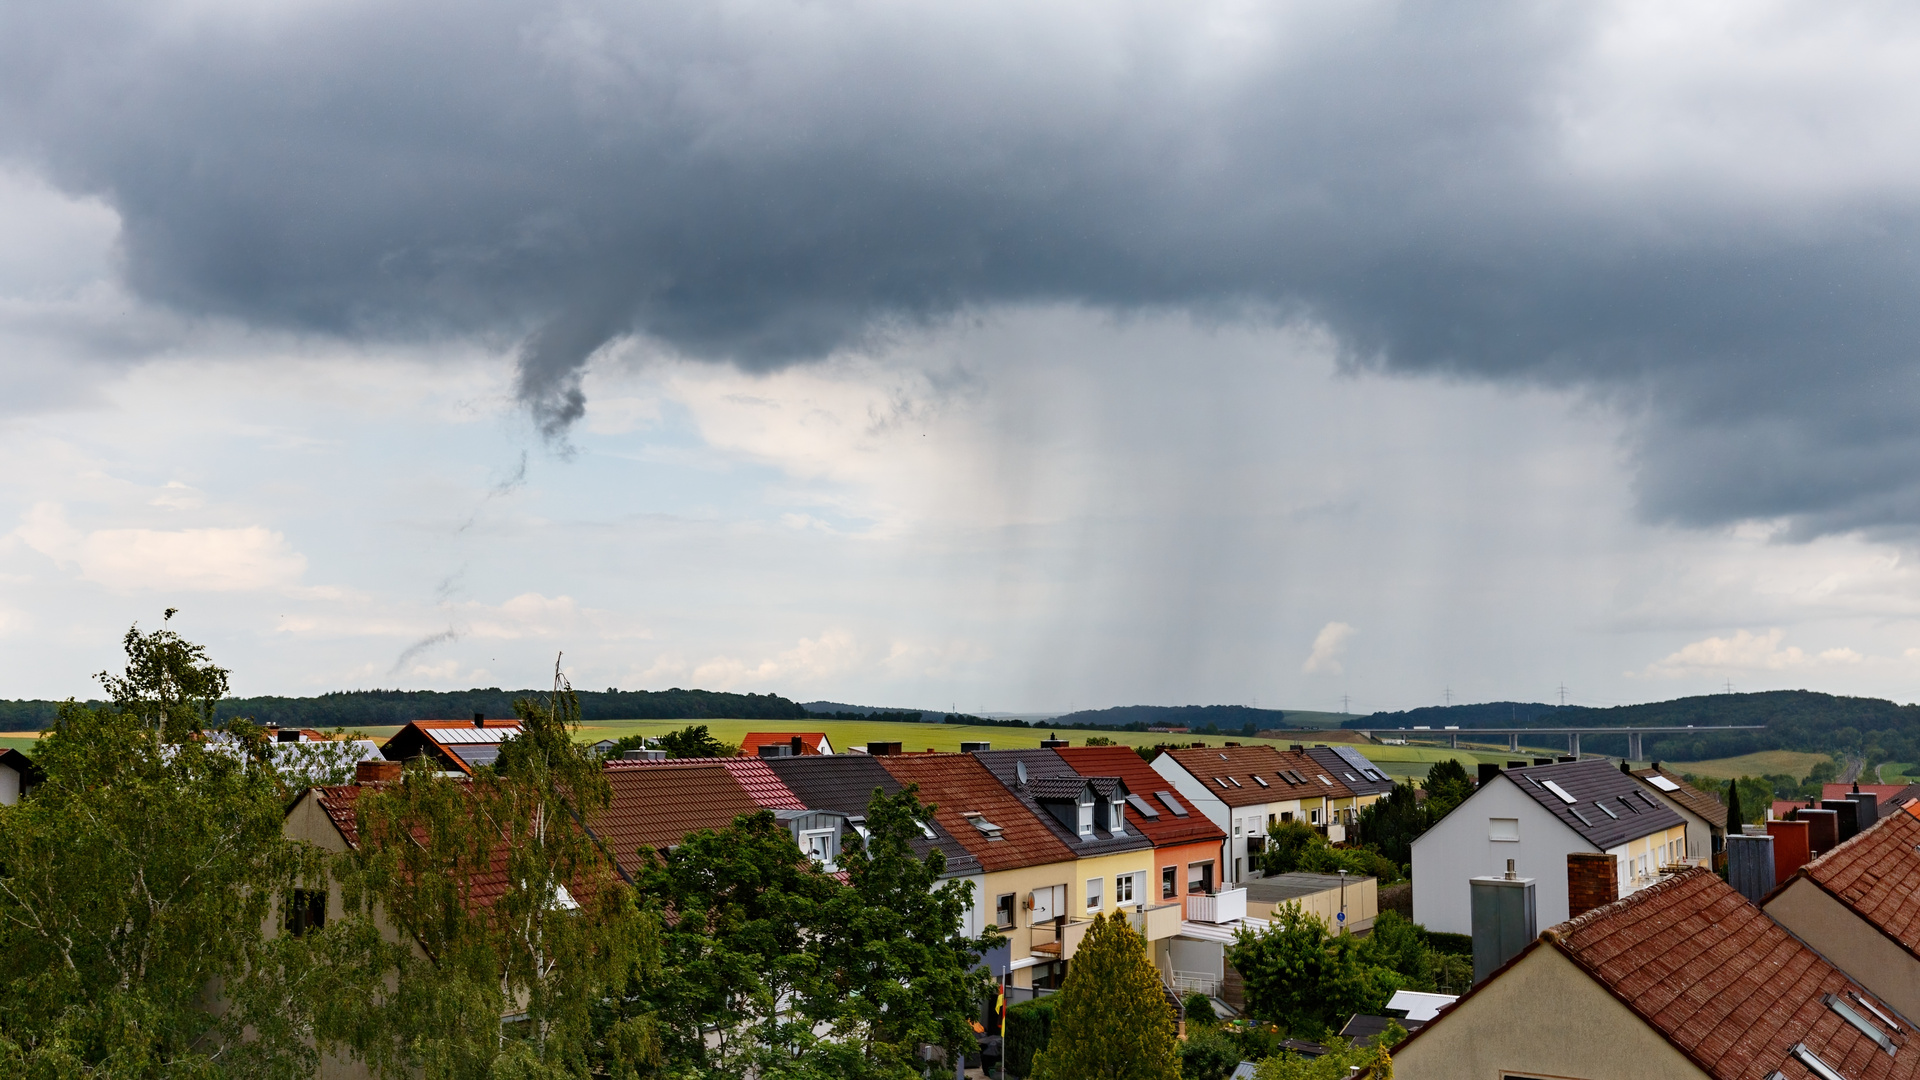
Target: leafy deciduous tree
{"points": [[1305, 980]]}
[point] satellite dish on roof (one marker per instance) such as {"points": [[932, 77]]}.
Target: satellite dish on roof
{"points": [[1020, 770]]}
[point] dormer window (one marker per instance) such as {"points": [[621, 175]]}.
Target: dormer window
{"points": [[1086, 813], [1118, 818]]}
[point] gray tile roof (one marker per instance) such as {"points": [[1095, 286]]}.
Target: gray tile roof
{"points": [[1609, 807], [846, 783], [1352, 769], [1047, 771]]}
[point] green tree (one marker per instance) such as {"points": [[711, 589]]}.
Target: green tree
{"points": [[522, 922], [1341, 1061], [1735, 818], [899, 969], [137, 882], [1305, 980], [1114, 1021], [1208, 1054], [693, 741], [740, 906], [1394, 822], [1447, 786], [1399, 944]]}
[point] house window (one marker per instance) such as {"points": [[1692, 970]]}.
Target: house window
{"points": [[818, 844], [1119, 818], [1123, 889], [1169, 882], [306, 910], [1286, 815], [1086, 814], [1238, 827], [1316, 817], [1003, 911], [1503, 828], [1200, 877], [1269, 820], [1095, 887]]}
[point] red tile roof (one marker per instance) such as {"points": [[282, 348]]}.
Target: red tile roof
{"points": [[1877, 874], [1217, 768], [1141, 780], [760, 783], [958, 784], [1724, 983], [1883, 791], [809, 741], [656, 806]]}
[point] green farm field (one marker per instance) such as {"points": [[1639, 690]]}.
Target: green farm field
{"points": [[845, 733], [1794, 763]]}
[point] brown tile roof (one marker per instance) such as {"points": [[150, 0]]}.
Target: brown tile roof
{"points": [[657, 806], [958, 784], [761, 784], [1050, 781], [1121, 761], [846, 783], [1213, 765], [1704, 804], [1724, 983], [1883, 792], [1877, 874]]}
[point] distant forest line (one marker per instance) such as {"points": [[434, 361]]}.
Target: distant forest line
{"points": [[1874, 728], [353, 709]]}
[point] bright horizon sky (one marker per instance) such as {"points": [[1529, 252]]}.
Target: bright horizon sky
{"points": [[1007, 358]]}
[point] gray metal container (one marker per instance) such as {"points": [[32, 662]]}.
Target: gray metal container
{"points": [[1750, 865], [1505, 921]]}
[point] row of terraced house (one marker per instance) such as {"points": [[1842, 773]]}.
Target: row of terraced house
{"points": [[1046, 837]]}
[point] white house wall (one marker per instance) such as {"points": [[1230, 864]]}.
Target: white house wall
{"points": [[1461, 847], [9, 785]]}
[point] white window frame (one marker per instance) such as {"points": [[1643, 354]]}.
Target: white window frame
{"points": [[1086, 816], [824, 857], [1123, 889], [1096, 893]]}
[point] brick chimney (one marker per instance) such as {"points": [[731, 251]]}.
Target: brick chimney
{"points": [[374, 772], [1592, 881]]}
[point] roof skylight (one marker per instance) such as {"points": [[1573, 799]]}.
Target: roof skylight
{"points": [[1812, 1061], [1662, 783], [1260, 781], [1866, 1026], [1173, 804], [1559, 791], [1607, 810]]}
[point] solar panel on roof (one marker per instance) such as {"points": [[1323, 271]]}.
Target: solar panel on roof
{"points": [[1172, 803]]}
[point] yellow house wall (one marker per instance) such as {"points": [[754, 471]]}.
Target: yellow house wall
{"points": [[1541, 1017], [1020, 882], [1106, 867], [1656, 850]]}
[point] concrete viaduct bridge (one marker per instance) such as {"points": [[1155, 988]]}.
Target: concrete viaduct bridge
{"points": [[1633, 734]]}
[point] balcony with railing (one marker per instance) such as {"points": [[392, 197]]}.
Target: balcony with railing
{"points": [[1225, 906], [1155, 922]]}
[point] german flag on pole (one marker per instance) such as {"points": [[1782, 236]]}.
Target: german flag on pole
{"points": [[1000, 1007]]}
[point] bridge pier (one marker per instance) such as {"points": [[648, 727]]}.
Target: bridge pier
{"points": [[1453, 740], [1513, 743], [1573, 744], [1633, 746]]}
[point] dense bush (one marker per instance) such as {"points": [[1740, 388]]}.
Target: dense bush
{"points": [[1029, 1026]]}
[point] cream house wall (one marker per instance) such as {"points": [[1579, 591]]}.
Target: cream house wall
{"points": [[1240, 823], [1542, 1017], [1848, 942], [1021, 882], [1640, 860]]}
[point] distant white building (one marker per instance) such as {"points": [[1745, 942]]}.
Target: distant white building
{"points": [[18, 775], [1536, 817]]}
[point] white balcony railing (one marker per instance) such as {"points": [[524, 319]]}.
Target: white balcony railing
{"points": [[1195, 982], [1225, 906]]}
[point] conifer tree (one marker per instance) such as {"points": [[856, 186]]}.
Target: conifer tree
{"points": [[1114, 1021], [1734, 818]]}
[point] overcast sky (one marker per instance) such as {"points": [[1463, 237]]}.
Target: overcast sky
{"points": [[1011, 357]]}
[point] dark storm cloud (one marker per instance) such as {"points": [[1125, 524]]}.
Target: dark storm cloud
{"points": [[761, 183]]}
